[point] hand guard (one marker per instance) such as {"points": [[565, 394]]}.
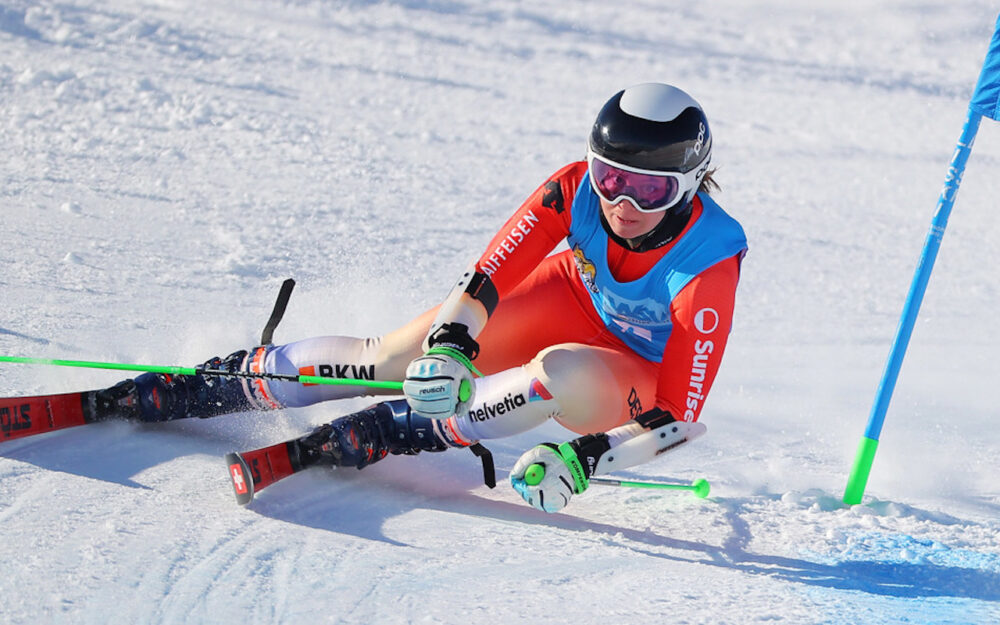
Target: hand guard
{"points": [[562, 476], [439, 383]]}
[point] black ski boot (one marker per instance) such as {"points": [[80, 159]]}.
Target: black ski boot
{"points": [[359, 439], [156, 397]]}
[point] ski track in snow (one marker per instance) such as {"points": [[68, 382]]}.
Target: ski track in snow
{"points": [[166, 164]]}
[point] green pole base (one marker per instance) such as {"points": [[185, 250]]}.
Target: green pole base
{"points": [[701, 488], [860, 471]]}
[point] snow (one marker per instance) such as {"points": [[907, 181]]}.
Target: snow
{"points": [[167, 163]]}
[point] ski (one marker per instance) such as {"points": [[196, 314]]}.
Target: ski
{"points": [[251, 471], [27, 416]]}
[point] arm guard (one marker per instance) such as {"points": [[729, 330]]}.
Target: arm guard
{"points": [[470, 303], [647, 444], [653, 433]]}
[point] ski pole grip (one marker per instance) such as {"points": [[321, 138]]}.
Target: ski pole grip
{"points": [[534, 474]]}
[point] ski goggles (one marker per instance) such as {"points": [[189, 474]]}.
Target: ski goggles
{"points": [[649, 191]]}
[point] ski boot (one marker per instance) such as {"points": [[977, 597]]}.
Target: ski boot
{"points": [[157, 397], [356, 440], [365, 437]]}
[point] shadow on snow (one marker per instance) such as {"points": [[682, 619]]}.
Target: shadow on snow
{"points": [[359, 505]]}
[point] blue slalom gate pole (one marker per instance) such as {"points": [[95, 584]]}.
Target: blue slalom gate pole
{"points": [[985, 103]]}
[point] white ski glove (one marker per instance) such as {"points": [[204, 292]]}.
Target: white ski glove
{"points": [[439, 384], [544, 477], [548, 475]]}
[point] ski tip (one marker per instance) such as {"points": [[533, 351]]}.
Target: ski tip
{"points": [[241, 478]]}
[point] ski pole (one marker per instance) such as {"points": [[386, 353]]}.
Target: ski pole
{"points": [[174, 370], [985, 102], [700, 487]]}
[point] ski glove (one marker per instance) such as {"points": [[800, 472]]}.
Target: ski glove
{"points": [[439, 384], [547, 476]]}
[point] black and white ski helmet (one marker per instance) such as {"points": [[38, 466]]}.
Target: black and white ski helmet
{"points": [[654, 127]]}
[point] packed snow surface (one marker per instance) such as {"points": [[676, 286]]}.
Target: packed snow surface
{"points": [[165, 164]]}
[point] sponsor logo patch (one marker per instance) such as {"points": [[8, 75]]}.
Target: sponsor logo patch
{"points": [[490, 411], [15, 418], [552, 196], [239, 483], [706, 320], [696, 384], [518, 233], [348, 372], [538, 392], [587, 269]]}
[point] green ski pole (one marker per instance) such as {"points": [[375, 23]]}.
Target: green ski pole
{"points": [[175, 370], [700, 487]]}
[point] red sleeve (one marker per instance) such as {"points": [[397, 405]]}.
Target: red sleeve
{"points": [[702, 314], [540, 224]]}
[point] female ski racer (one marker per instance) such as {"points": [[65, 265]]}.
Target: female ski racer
{"points": [[617, 338]]}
